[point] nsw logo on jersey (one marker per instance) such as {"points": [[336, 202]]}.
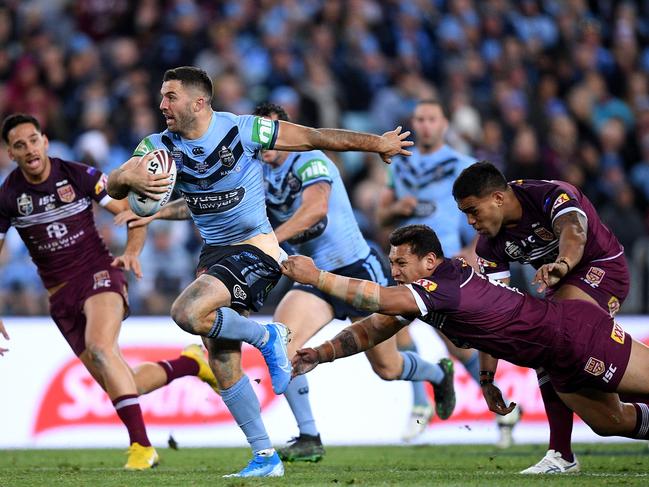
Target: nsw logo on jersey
{"points": [[226, 156], [263, 131], [25, 204]]}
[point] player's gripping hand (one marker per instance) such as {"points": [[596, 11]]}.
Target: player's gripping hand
{"points": [[394, 143], [548, 275], [304, 360], [4, 333], [138, 179], [128, 262], [405, 206], [495, 400], [132, 220], [301, 269]]}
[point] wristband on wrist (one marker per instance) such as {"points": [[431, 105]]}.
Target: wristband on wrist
{"points": [[563, 260], [486, 377]]}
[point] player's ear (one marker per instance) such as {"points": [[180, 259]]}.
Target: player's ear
{"points": [[430, 261], [498, 197]]}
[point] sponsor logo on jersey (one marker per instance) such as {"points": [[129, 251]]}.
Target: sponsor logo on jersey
{"points": [[262, 131], [544, 234], [617, 334], [102, 279], [429, 286], [424, 208], [72, 399], [594, 276], [613, 306], [513, 250], [56, 230], [294, 184], [609, 373], [485, 265], [561, 199], [315, 168], [594, 366], [197, 151], [66, 193], [216, 202], [25, 204], [177, 156], [101, 184], [238, 292], [226, 156]]}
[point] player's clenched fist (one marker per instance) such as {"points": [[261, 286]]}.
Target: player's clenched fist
{"points": [[301, 269], [304, 360]]}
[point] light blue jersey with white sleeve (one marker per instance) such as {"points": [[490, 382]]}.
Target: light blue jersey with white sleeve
{"points": [[333, 242], [220, 175], [430, 178]]}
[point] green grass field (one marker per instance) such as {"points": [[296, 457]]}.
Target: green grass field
{"points": [[608, 464]]}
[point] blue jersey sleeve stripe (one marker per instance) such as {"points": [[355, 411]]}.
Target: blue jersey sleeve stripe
{"points": [[275, 133]]}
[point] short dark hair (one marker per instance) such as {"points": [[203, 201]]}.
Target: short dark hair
{"points": [[266, 109], [478, 180], [421, 238], [17, 119], [432, 101], [191, 76]]}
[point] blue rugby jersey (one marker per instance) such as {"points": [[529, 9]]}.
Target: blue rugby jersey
{"points": [[336, 240], [220, 175], [429, 178]]}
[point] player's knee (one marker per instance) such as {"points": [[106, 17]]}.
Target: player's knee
{"points": [[385, 371], [611, 426], [182, 317], [99, 354]]}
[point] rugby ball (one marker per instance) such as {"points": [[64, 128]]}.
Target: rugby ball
{"points": [[161, 162]]}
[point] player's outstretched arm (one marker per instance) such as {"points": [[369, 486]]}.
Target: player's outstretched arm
{"points": [[363, 295], [315, 203], [492, 394], [4, 333], [132, 175], [135, 238], [359, 337], [293, 137], [572, 230], [176, 210]]}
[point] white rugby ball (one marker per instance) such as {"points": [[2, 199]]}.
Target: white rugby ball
{"points": [[161, 162]]}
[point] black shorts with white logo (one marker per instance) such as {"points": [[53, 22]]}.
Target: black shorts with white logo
{"points": [[247, 272]]}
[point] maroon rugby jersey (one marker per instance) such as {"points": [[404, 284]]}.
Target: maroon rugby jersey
{"points": [[55, 219], [532, 241], [474, 312]]}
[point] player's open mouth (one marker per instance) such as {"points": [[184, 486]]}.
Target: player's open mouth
{"points": [[32, 163]]}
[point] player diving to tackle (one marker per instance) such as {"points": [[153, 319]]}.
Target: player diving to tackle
{"points": [[553, 227], [310, 211], [587, 355], [49, 202], [420, 191], [220, 177]]}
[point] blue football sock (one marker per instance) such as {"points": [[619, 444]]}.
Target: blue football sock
{"points": [[416, 368], [473, 366], [244, 406], [419, 395], [297, 395], [230, 325]]}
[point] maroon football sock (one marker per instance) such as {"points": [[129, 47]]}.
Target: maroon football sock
{"points": [[560, 419], [128, 410], [641, 430], [179, 367]]}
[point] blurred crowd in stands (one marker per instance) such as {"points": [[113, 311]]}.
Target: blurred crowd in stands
{"points": [[541, 88]]}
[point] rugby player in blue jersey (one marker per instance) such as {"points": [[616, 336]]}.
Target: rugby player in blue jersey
{"points": [[310, 212], [220, 177], [420, 192]]}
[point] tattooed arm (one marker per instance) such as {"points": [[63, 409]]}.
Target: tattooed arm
{"points": [[572, 229], [360, 336], [293, 137], [363, 295]]}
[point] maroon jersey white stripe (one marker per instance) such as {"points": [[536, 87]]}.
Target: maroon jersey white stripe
{"points": [[55, 219]]}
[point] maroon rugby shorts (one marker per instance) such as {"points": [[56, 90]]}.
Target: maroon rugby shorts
{"points": [[66, 304]]}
